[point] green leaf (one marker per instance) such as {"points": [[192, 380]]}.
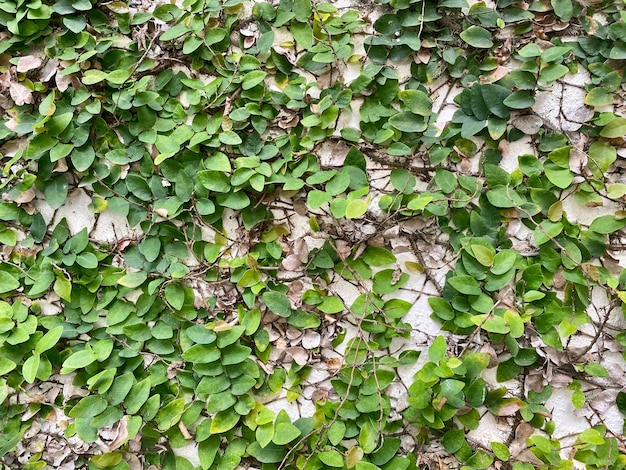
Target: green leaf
{"points": [[337, 431], [6, 365], [552, 72], [564, 9], [133, 279], [530, 50], [616, 128], [175, 295], [377, 256], [55, 191], [416, 101], [315, 198], [118, 77], [252, 79], [501, 451], [478, 37], [453, 440], [368, 437], [520, 99], [331, 304], [465, 285], [446, 180], [277, 303], [93, 76], [332, 458], [437, 350], [137, 396], [49, 340], [483, 255], [599, 96], [408, 122], [230, 138], [558, 176], [302, 10], [620, 401], [224, 421], [591, 436], [607, 224], [30, 367], [596, 370], [601, 157], [616, 190], [547, 230], [170, 414], [265, 433], [285, 433], [79, 360], [7, 282], [87, 260], [356, 208]]}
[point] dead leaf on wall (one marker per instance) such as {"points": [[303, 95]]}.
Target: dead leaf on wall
{"points": [[28, 62]]}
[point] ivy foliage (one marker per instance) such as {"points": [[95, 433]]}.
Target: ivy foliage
{"points": [[244, 144]]}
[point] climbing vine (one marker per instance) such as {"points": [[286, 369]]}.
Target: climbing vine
{"points": [[302, 235]]}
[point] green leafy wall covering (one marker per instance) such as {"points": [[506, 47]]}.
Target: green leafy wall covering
{"points": [[305, 235]]}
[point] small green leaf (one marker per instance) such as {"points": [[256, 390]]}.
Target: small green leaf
{"points": [[552, 72], [599, 96], [591, 436], [133, 279], [49, 340], [437, 350], [170, 414], [520, 99], [416, 101], [55, 191], [224, 421], [453, 440], [483, 255], [564, 9], [620, 401], [315, 198], [408, 122], [277, 303], [607, 224], [252, 79], [7, 282], [6, 365], [336, 432], [596, 370], [377, 256], [30, 367], [616, 190], [601, 157], [332, 458], [478, 37], [368, 437], [93, 76], [285, 433], [214, 181], [616, 128], [356, 208], [465, 285], [79, 360], [175, 295]]}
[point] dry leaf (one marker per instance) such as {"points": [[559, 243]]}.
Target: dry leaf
{"points": [[298, 354], [28, 62], [311, 339], [20, 94], [291, 263], [527, 456]]}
